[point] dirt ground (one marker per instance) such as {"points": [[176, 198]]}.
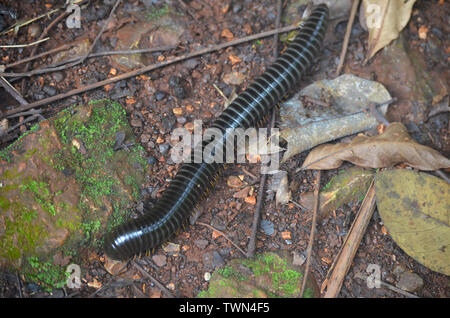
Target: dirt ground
{"points": [[188, 87]]}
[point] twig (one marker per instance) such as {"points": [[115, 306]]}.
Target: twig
{"points": [[29, 112], [16, 46], [223, 234], [393, 288], [19, 285], [298, 205], [313, 229], [148, 68], [21, 24], [256, 216], [31, 58], [277, 25], [65, 64], [43, 34], [347, 36], [249, 174], [154, 280], [31, 118], [12, 91], [378, 115], [101, 31], [352, 241]]}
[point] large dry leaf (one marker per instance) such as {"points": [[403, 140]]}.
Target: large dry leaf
{"points": [[384, 20], [415, 208], [347, 96], [393, 147]]}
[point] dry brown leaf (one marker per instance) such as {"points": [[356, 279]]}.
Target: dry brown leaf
{"points": [[394, 146], [384, 20]]}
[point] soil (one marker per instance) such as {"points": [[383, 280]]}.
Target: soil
{"points": [[175, 96]]}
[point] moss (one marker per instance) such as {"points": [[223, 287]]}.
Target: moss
{"points": [[96, 130], [46, 274], [156, 13], [22, 234], [95, 127], [5, 154]]}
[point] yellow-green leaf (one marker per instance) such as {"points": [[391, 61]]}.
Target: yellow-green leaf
{"points": [[415, 208]]}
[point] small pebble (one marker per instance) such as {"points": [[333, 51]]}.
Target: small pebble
{"points": [[163, 148], [57, 77], [136, 123], [151, 160], [160, 260], [207, 276], [267, 227], [49, 90], [160, 95], [298, 259], [410, 282], [201, 244]]}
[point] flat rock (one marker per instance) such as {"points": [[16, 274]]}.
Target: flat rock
{"points": [[62, 181]]}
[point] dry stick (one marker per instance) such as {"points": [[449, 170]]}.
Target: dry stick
{"points": [[351, 244], [17, 46], [256, 216], [277, 25], [313, 230], [223, 234], [43, 34], [31, 118], [154, 280], [31, 58], [147, 68], [393, 288], [101, 31], [259, 200], [65, 64], [347, 36], [12, 91]]}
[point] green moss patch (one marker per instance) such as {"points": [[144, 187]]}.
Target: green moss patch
{"points": [[63, 185], [266, 275]]}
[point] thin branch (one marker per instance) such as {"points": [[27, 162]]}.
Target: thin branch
{"points": [[101, 31], [223, 234], [256, 216], [347, 36], [12, 91], [17, 46], [344, 259], [31, 58], [65, 64], [154, 280], [313, 230], [393, 288], [147, 68]]}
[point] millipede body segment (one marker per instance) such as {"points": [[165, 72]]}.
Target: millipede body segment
{"points": [[194, 180]]}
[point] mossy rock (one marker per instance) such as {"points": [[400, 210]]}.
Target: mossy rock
{"points": [[62, 184], [271, 274]]}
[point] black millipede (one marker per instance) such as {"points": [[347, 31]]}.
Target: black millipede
{"points": [[194, 180]]}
